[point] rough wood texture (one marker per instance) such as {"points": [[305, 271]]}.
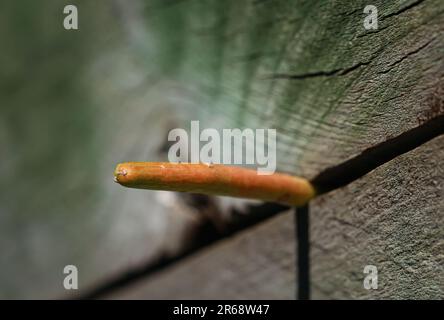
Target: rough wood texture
{"points": [[307, 68], [256, 264], [392, 218], [332, 89], [77, 103]]}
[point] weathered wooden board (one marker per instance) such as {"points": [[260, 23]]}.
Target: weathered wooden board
{"points": [[307, 68], [392, 218], [256, 264], [76, 103]]}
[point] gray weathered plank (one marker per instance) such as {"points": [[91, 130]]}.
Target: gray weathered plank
{"points": [[307, 68], [391, 218], [256, 264]]}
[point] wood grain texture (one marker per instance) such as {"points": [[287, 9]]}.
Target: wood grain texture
{"points": [[392, 218], [256, 264], [307, 68], [110, 92]]}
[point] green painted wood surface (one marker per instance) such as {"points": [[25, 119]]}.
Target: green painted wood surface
{"points": [[353, 88]]}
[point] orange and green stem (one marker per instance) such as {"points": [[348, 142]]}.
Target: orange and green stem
{"points": [[215, 179]]}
